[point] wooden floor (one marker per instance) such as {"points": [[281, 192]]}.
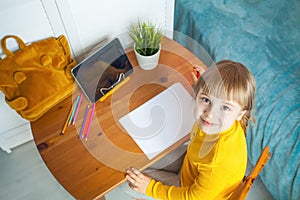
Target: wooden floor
{"points": [[23, 175]]}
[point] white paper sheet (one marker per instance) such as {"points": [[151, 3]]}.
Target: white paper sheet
{"points": [[161, 121]]}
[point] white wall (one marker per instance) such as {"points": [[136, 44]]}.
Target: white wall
{"points": [[90, 21], [28, 20]]}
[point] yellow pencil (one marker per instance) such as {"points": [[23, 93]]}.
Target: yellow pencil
{"points": [[67, 121], [114, 89]]}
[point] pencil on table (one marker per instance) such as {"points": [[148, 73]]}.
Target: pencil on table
{"points": [[84, 121], [77, 110], [67, 120], [89, 122], [115, 89], [73, 111]]}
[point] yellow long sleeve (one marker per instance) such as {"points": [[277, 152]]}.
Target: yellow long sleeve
{"points": [[213, 166]]}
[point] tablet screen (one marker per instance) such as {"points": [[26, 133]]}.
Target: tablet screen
{"points": [[102, 71]]}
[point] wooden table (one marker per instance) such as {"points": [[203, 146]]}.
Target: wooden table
{"points": [[89, 169]]}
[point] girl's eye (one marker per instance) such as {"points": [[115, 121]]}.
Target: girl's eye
{"points": [[226, 108], [205, 100]]}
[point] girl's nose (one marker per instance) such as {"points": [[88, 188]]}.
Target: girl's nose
{"points": [[210, 112]]}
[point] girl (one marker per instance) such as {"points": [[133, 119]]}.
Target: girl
{"points": [[216, 158]]}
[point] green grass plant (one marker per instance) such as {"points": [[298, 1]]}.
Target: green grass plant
{"points": [[146, 36]]}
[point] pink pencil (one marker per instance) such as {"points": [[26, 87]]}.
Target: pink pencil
{"points": [[90, 121], [77, 109]]}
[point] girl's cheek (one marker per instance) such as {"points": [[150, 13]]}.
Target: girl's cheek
{"points": [[222, 119], [197, 112]]}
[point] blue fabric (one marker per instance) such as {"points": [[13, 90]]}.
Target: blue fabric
{"points": [[264, 36]]}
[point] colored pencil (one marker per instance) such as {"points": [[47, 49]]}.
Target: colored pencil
{"points": [[84, 121], [73, 111], [89, 122], [77, 109], [114, 89], [67, 120]]}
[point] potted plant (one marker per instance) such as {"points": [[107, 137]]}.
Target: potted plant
{"points": [[147, 43]]}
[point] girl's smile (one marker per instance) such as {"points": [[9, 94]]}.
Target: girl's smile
{"points": [[206, 123]]}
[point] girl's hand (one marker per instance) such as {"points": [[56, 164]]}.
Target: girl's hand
{"points": [[137, 180], [197, 71]]}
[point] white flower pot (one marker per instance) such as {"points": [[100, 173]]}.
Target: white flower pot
{"points": [[148, 62]]}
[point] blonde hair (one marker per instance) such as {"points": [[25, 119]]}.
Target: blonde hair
{"points": [[231, 81]]}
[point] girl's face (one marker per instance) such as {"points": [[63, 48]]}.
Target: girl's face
{"points": [[215, 115]]}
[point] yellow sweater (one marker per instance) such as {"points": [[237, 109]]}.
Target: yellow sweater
{"points": [[213, 167]]}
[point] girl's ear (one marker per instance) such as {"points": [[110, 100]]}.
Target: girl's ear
{"points": [[240, 116]]}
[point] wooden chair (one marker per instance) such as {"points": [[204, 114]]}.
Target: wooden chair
{"points": [[242, 190]]}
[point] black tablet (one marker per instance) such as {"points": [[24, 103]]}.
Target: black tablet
{"points": [[102, 71]]}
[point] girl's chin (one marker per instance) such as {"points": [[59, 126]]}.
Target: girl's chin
{"points": [[210, 132], [209, 129]]}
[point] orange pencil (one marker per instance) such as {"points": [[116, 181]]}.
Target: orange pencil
{"points": [[67, 121], [91, 113], [86, 125]]}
